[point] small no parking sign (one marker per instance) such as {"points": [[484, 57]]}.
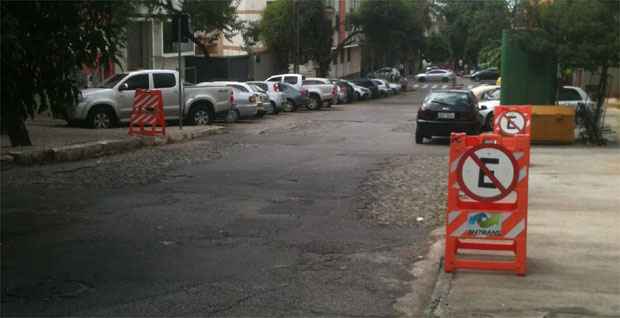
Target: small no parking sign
{"points": [[512, 120]]}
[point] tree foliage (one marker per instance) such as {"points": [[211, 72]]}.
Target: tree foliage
{"points": [[44, 44], [467, 27], [278, 31], [392, 29], [583, 34]]}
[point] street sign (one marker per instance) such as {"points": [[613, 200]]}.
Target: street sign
{"points": [[512, 120], [487, 172], [487, 201], [512, 123]]}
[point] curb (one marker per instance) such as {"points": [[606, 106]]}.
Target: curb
{"points": [[430, 284], [101, 148]]}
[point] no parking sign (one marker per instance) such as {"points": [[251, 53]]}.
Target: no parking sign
{"points": [[512, 120], [487, 200]]}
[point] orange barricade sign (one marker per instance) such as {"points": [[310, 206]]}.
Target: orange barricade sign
{"points": [[487, 202], [512, 120], [148, 110]]}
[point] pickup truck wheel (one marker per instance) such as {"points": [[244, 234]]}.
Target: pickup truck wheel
{"points": [[101, 118], [200, 115], [315, 102]]}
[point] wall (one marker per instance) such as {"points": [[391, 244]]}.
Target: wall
{"points": [[587, 80]]}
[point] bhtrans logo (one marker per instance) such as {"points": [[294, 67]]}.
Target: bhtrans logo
{"points": [[485, 224]]}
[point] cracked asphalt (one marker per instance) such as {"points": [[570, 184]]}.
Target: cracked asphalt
{"points": [[296, 215]]}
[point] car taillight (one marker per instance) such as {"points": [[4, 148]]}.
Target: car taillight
{"points": [[231, 98], [304, 92], [276, 87], [334, 90], [253, 99]]}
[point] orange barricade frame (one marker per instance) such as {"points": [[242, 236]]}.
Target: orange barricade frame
{"points": [[148, 110], [487, 224], [504, 114]]}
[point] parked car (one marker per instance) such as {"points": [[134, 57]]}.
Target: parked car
{"points": [[570, 96], [489, 96], [446, 111], [370, 85], [387, 73], [436, 75], [384, 88], [294, 98], [488, 74], [247, 101], [360, 92], [264, 98], [395, 87], [276, 97], [346, 92], [112, 102], [320, 90]]}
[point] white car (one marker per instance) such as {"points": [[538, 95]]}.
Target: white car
{"points": [[436, 75], [395, 87], [360, 91], [276, 97], [384, 88], [570, 96]]}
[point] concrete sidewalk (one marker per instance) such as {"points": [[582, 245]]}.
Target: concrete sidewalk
{"points": [[573, 245], [54, 141]]}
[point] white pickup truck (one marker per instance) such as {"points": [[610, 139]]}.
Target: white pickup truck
{"points": [[112, 102], [320, 90]]}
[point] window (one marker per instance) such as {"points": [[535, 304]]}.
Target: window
{"points": [[311, 82], [164, 80], [349, 55], [568, 94], [137, 81], [341, 57], [262, 85], [290, 79], [275, 79], [238, 87]]}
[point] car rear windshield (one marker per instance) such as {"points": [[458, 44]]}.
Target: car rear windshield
{"points": [[454, 100]]}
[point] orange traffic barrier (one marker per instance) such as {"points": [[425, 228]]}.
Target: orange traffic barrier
{"points": [[487, 203], [148, 110], [512, 120]]}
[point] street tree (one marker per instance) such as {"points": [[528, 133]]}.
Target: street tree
{"points": [[469, 27], [580, 34], [46, 43], [392, 29], [278, 31]]}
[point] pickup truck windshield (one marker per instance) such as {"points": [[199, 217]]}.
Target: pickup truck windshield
{"points": [[112, 81]]}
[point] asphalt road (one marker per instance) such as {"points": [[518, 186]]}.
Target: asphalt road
{"points": [[300, 214]]}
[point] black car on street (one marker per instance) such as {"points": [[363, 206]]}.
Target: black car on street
{"points": [[446, 111]]}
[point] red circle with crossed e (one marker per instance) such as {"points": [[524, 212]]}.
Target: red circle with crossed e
{"points": [[504, 190], [510, 122]]}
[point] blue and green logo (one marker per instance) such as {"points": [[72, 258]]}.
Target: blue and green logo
{"points": [[485, 224]]}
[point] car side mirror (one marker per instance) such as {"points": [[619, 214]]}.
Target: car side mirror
{"points": [[123, 87]]}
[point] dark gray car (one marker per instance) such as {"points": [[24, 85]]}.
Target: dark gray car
{"points": [[294, 97]]}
